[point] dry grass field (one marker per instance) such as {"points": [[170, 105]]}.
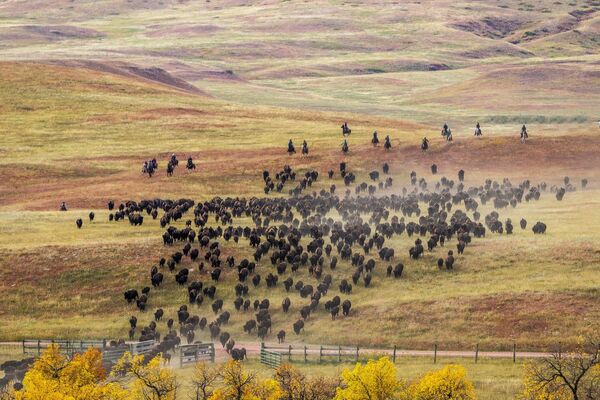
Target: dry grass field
{"points": [[89, 90]]}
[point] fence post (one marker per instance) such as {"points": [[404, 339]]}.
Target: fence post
{"points": [[320, 354], [394, 357], [356, 354], [514, 352], [435, 353], [39, 347], [23, 346], [212, 352], [476, 352], [559, 351], [339, 354], [290, 354], [304, 354]]}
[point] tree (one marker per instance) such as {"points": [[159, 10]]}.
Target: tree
{"points": [[291, 381], [151, 381], [204, 379], [237, 382], [573, 376], [241, 385], [376, 380], [296, 386], [449, 383], [8, 392], [54, 377], [320, 388]]}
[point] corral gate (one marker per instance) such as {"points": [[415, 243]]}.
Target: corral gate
{"points": [[142, 347], [270, 358], [192, 353]]}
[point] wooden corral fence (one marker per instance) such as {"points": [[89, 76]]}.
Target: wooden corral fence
{"points": [[338, 354], [36, 346], [70, 347], [325, 353], [192, 353]]}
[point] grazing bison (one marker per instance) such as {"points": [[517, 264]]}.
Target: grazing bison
{"points": [[539, 228], [281, 336], [346, 305], [450, 260], [298, 326], [523, 223], [238, 354], [131, 295], [79, 223]]}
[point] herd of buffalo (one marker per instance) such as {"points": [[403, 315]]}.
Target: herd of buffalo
{"points": [[297, 243]]}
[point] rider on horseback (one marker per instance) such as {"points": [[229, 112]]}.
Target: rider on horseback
{"points": [[190, 163], [345, 146], [375, 139], [387, 144], [445, 130], [424, 144], [291, 148], [305, 148], [524, 134], [478, 130], [63, 206], [345, 130]]}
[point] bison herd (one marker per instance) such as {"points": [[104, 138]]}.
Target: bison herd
{"points": [[308, 246]]}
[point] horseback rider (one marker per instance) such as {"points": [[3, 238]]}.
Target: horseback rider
{"points": [[425, 144], [449, 135], [345, 146], [445, 130], [304, 147], [387, 144], [345, 130], [63, 206], [375, 139], [291, 148], [174, 161], [477, 130], [190, 163], [524, 134]]}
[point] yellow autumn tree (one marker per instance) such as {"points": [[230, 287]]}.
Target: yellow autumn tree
{"points": [[297, 386], [54, 377], [151, 381], [241, 385], [448, 383], [204, 380], [376, 380]]}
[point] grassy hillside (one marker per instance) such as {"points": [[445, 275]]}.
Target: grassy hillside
{"points": [[387, 58], [82, 140]]}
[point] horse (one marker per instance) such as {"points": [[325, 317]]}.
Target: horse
{"points": [[524, 134], [345, 147], [345, 130], [387, 144], [424, 144], [190, 164], [305, 148], [375, 140]]}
